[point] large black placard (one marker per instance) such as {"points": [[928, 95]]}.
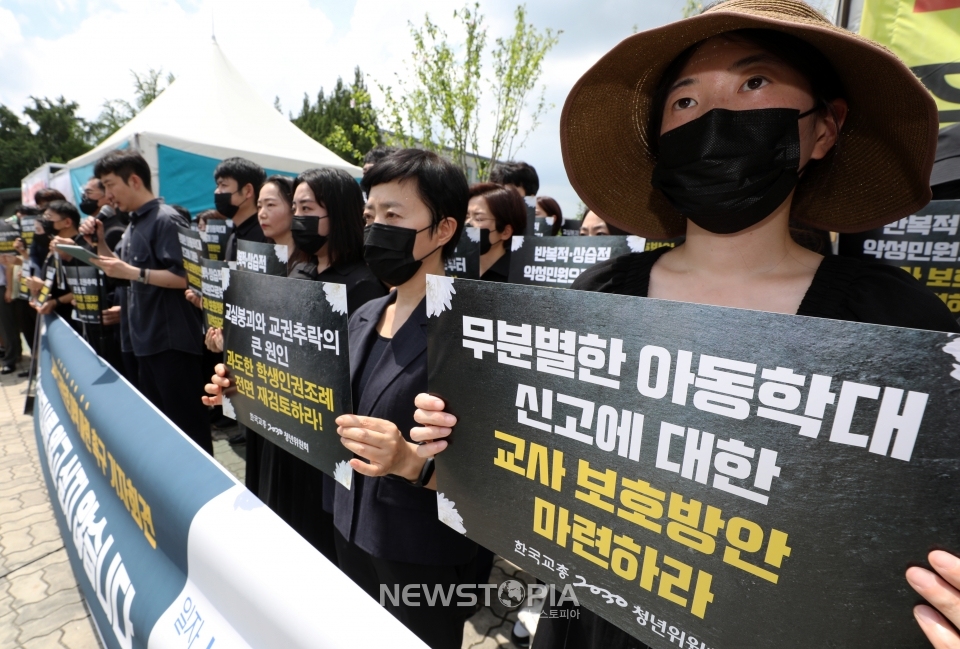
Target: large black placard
{"points": [[291, 368], [925, 244], [571, 227], [558, 261], [192, 249], [85, 286], [259, 257], [743, 478], [465, 261]]}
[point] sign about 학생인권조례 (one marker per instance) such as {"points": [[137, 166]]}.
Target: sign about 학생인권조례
{"points": [[925, 244], [558, 261], [740, 478], [257, 257], [291, 375], [465, 261]]}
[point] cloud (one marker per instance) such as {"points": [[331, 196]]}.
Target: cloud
{"points": [[285, 48]]}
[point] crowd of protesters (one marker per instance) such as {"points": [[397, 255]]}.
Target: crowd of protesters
{"points": [[739, 244]]}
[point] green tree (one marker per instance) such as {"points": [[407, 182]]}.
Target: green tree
{"points": [[692, 8], [117, 112], [343, 121], [517, 65], [57, 135], [439, 108]]}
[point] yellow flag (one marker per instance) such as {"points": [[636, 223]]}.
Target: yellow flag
{"points": [[925, 34]]}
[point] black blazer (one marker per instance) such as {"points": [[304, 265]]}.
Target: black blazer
{"points": [[388, 517]]}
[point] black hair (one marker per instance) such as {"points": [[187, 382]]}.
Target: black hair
{"points": [[441, 185], [825, 83], [340, 195], [552, 208], [182, 211], [28, 210], [517, 173], [244, 171], [378, 153], [124, 163], [66, 210], [284, 185], [48, 195], [99, 183], [614, 230]]}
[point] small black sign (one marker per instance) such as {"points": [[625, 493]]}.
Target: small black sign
{"points": [[725, 477], [571, 227], [85, 286], [9, 233], [558, 261], [925, 244], [256, 257], [291, 373], [212, 291], [192, 248], [465, 261], [214, 239]]}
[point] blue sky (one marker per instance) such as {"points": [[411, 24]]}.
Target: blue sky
{"points": [[85, 49]]}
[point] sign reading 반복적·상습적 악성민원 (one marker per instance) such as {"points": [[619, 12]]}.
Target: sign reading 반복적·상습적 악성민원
{"points": [[727, 477]]}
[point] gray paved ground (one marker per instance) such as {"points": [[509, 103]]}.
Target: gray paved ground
{"points": [[40, 602]]}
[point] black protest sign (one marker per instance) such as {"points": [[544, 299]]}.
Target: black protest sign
{"points": [[465, 262], [214, 239], [540, 227], [747, 479], [558, 261], [212, 291], [49, 277], [192, 248], [256, 257], [27, 225], [85, 286], [9, 233], [925, 244], [292, 375], [571, 227]]}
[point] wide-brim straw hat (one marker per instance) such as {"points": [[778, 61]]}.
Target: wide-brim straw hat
{"points": [[878, 172]]}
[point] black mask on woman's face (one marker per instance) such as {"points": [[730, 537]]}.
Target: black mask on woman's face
{"points": [[305, 235], [48, 228], [222, 202], [485, 244], [728, 170], [388, 251]]}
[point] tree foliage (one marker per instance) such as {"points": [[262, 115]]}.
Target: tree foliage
{"points": [[343, 121], [436, 103], [117, 112]]}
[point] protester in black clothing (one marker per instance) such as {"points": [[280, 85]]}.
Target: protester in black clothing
{"points": [[64, 220], [738, 250], [238, 187], [522, 178], [593, 226], [549, 209], [329, 240], [499, 213], [165, 332]]}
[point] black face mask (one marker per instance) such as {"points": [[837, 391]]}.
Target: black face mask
{"points": [[222, 201], [48, 228], [388, 251], [304, 231], [89, 206], [728, 170], [485, 244]]}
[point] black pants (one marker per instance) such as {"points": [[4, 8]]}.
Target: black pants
{"points": [[440, 627], [173, 382], [28, 320], [10, 329]]}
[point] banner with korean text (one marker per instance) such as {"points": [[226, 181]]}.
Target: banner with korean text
{"points": [[160, 537], [702, 476]]}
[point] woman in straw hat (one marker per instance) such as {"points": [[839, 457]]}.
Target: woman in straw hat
{"points": [[723, 127]]}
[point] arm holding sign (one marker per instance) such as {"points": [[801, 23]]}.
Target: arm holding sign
{"points": [[942, 590], [383, 445]]}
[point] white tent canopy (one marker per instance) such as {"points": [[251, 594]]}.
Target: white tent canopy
{"points": [[211, 111]]}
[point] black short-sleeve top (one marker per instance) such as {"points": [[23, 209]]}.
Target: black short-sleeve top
{"points": [[843, 288]]}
